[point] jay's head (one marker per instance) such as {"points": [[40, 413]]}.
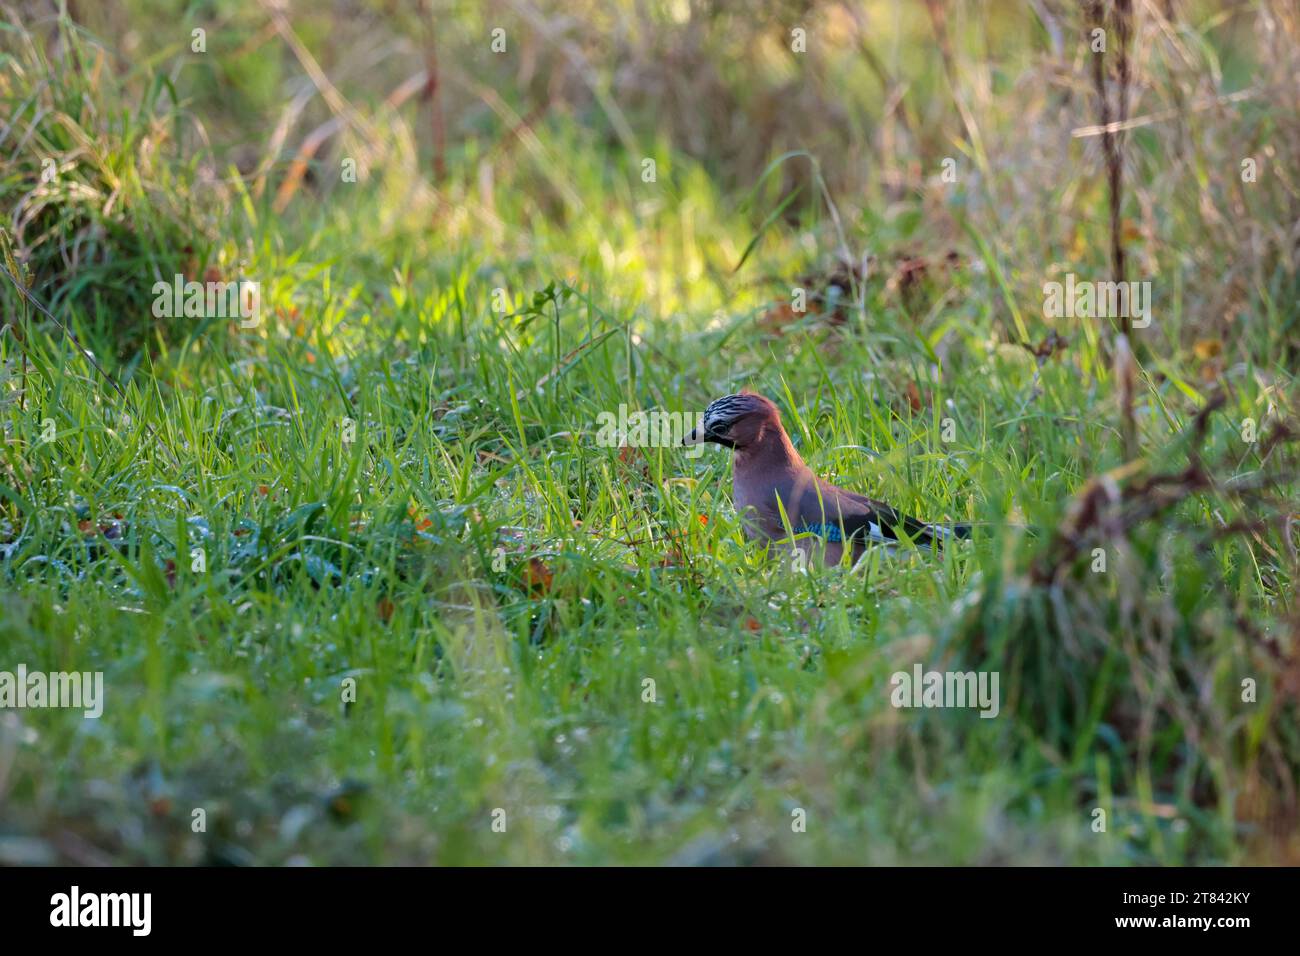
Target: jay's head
{"points": [[737, 421]]}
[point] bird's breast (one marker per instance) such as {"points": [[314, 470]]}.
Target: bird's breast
{"points": [[758, 509]]}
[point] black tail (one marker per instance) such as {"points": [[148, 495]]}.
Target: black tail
{"points": [[883, 524]]}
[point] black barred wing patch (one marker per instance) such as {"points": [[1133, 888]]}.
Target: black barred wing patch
{"points": [[881, 523]]}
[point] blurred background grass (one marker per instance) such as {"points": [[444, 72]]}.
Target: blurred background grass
{"points": [[502, 153]]}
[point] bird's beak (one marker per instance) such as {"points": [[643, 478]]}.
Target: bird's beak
{"points": [[699, 435]]}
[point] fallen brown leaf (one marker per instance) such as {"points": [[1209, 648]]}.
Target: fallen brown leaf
{"points": [[538, 577], [1207, 349]]}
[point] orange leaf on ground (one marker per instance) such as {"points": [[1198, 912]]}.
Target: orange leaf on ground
{"points": [[1207, 349], [672, 559], [776, 318], [538, 576], [384, 608]]}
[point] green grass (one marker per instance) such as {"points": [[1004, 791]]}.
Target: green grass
{"points": [[499, 589]]}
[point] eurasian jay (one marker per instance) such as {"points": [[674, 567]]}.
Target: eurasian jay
{"points": [[770, 476]]}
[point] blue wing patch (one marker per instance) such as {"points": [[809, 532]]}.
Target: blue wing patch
{"points": [[869, 531], [831, 532]]}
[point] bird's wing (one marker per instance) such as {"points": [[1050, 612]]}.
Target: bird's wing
{"points": [[865, 519]]}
